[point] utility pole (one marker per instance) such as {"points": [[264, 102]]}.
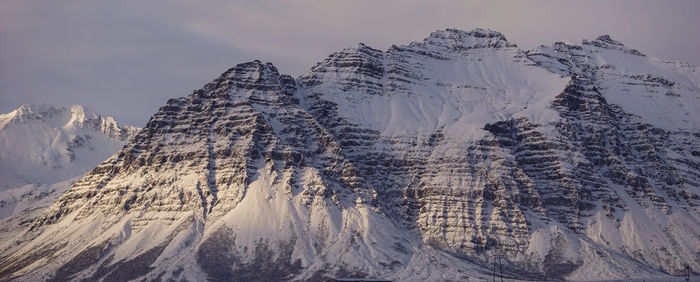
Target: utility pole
{"points": [[494, 269], [497, 258], [500, 260]]}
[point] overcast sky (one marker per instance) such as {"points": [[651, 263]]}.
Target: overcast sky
{"points": [[126, 58]]}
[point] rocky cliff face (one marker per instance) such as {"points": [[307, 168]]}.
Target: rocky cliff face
{"points": [[431, 160]]}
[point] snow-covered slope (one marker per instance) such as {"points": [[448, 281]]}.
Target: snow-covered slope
{"points": [[20, 206], [428, 161], [662, 93], [452, 81], [41, 145], [47, 144]]}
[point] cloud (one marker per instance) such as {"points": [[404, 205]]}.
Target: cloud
{"points": [[126, 58]]}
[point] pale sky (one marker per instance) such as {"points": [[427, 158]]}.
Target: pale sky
{"points": [[127, 58]]}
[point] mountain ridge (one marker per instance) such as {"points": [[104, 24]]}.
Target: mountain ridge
{"points": [[46, 140], [426, 161]]}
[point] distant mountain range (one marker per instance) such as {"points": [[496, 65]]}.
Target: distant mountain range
{"points": [[458, 157], [43, 148]]}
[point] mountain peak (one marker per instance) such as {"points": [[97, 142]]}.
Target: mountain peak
{"points": [[605, 41], [69, 118], [477, 32], [251, 71], [242, 78], [476, 38], [35, 110], [55, 143], [80, 114], [247, 75], [30, 112], [48, 110]]}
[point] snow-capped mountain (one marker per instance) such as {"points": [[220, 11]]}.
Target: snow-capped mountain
{"points": [[41, 145], [46, 144], [433, 160]]}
